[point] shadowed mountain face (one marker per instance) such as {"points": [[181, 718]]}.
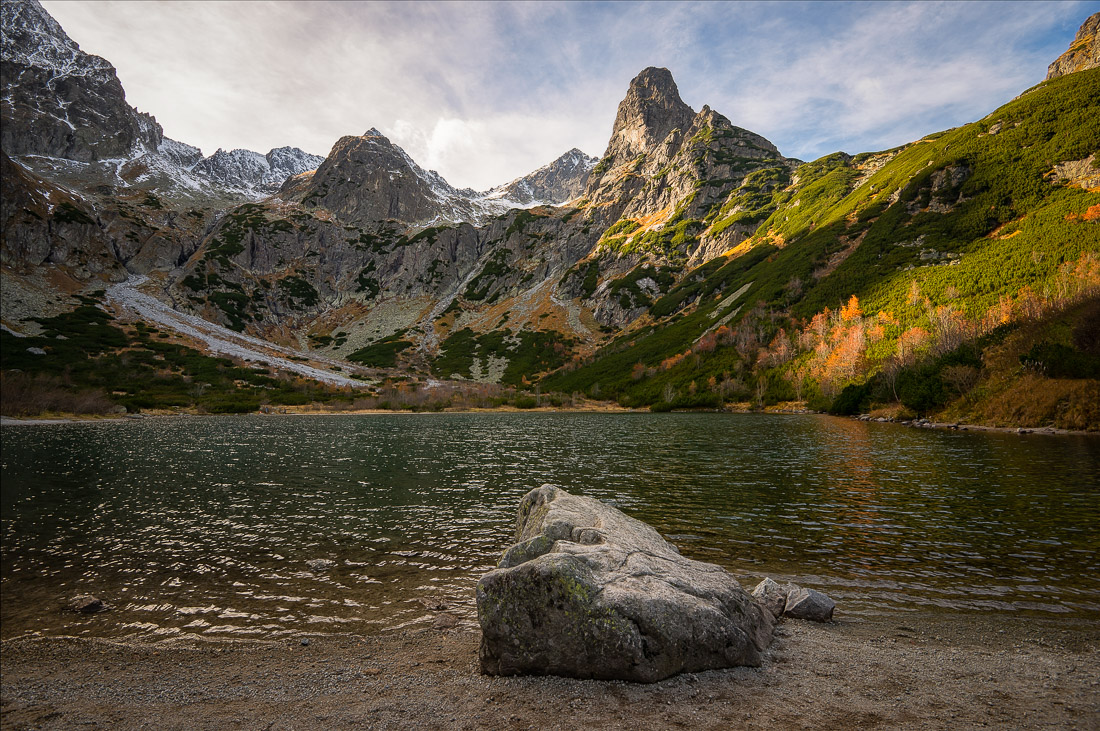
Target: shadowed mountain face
{"points": [[59, 101], [63, 104]]}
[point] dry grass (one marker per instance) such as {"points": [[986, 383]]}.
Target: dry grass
{"points": [[25, 395], [1030, 400], [1035, 401]]}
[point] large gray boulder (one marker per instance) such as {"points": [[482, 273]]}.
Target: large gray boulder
{"points": [[589, 592]]}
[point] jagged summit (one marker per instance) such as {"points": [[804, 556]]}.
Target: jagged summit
{"points": [[59, 101], [253, 173], [559, 181], [1083, 53], [370, 178], [651, 109]]}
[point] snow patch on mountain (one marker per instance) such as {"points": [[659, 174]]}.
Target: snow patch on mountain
{"points": [[553, 184], [255, 175], [31, 37]]}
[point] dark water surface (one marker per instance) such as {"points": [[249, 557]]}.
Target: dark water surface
{"points": [[203, 526]]}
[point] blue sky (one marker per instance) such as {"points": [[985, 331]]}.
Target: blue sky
{"points": [[485, 92]]}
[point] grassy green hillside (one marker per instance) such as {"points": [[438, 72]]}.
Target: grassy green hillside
{"points": [[880, 276]]}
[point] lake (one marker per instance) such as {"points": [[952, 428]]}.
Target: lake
{"points": [[204, 527]]}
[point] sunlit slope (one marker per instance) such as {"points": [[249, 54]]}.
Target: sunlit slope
{"points": [[939, 241]]}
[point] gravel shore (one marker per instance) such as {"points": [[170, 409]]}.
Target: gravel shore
{"points": [[913, 671]]}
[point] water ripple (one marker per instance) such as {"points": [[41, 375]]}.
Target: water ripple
{"points": [[212, 526]]}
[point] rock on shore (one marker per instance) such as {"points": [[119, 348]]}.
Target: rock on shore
{"points": [[794, 601], [589, 592]]}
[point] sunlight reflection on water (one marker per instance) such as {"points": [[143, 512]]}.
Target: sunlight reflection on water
{"points": [[213, 526]]}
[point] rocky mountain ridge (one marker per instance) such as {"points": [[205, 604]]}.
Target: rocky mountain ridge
{"points": [[58, 103], [690, 236], [556, 183], [56, 100], [1083, 53], [253, 174], [369, 178]]}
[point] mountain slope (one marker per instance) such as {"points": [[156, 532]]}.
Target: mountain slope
{"points": [[878, 265], [692, 266]]}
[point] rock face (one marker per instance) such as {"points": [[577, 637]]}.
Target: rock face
{"points": [[253, 173], [650, 110], [59, 101], [1083, 53], [589, 592], [676, 187], [556, 183]]}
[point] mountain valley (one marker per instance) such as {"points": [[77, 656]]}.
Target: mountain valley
{"points": [[691, 266]]}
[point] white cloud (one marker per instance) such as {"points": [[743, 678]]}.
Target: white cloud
{"points": [[485, 92]]}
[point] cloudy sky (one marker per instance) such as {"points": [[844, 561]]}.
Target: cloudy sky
{"points": [[486, 92]]}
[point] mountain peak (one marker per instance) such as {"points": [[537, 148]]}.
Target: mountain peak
{"points": [[655, 81], [554, 183], [1083, 53], [651, 109], [59, 100]]}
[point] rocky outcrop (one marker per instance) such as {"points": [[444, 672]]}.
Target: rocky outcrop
{"points": [[589, 592], [559, 182], [59, 101], [41, 224], [651, 109], [253, 173], [676, 187], [1083, 53]]}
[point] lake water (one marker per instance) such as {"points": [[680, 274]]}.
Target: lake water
{"points": [[203, 526]]}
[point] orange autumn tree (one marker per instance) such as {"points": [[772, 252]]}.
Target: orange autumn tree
{"points": [[851, 310]]}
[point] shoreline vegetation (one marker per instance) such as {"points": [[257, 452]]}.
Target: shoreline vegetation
{"points": [[589, 408], [911, 671]]}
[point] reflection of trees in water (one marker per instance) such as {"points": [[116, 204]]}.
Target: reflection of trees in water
{"points": [[850, 480]]}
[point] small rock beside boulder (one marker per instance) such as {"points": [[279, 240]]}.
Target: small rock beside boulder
{"points": [[86, 604], [793, 601], [589, 592], [771, 596]]}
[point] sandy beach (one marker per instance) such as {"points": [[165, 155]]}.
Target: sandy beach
{"points": [[911, 671]]}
